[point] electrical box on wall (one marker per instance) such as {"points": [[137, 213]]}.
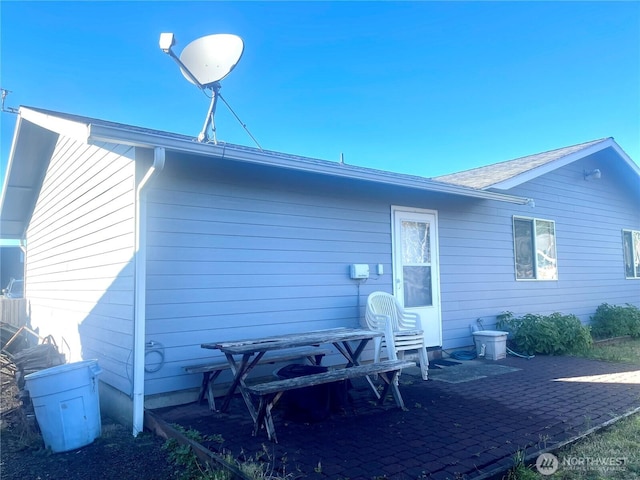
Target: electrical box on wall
{"points": [[359, 271]]}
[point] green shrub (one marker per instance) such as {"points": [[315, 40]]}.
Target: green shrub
{"points": [[616, 321], [554, 334]]}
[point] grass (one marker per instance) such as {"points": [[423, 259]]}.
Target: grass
{"points": [[611, 453], [623, 350], [617, 447]]}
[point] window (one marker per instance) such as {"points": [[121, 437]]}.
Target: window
{"points": [[631, 246], [416, 263], [535, 249]]}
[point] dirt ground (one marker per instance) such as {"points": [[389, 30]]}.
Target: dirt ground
{"points": [[115, 454]]}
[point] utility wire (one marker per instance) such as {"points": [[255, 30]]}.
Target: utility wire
{"points": [[244, 125]]}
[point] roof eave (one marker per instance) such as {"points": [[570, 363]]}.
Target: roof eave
{"points": [[24, 175], [61, 126], [5, 184], [104, 133]]}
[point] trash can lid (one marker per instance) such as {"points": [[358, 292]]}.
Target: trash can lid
{"points": [[490, 333], [67, 367]]}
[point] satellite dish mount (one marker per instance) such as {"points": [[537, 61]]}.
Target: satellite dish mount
{"points": [[209, 120], [204, 62]]}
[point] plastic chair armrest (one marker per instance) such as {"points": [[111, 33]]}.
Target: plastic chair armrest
{"points": [[410, 320], [382, 320]]}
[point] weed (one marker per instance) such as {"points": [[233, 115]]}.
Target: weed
{"points": [[182, 455], [587, 421], [260, 466], [542, 441], [520, 470]]}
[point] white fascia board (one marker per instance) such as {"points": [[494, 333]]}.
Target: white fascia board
{"points": [[61, 126], [625, 157], [12, 153], [104, 133], [561, 162]]}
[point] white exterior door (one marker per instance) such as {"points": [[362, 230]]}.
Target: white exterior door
{"points": [[416, 276]]}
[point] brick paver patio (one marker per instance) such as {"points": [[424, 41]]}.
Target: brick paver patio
{"points": [[465, 430]]}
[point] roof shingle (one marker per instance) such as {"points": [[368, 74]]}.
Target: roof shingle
{"points": [[485, 177]]}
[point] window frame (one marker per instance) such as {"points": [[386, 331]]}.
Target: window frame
{"points": [[636, 266], [536, 277]]}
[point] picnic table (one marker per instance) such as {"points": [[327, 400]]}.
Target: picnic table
{"points": [[244, 355]]}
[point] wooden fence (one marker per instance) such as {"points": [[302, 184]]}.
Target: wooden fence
{"points": [[14, 311]]}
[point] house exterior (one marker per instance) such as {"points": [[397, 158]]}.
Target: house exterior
{"points": [[141, 245]]}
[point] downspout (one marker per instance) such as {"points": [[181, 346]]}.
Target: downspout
{"points": [[140, 289], [23, 249]]}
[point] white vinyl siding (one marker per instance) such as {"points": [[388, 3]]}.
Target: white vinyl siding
{"points": [[239, 256], [237, 253], [80, 240], [477, 251]]}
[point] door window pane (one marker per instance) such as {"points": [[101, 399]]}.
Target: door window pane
{"points": [[417, 286], [415, 242]]}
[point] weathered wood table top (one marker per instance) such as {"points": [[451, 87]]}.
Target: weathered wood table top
{"points": [[316, 337]]}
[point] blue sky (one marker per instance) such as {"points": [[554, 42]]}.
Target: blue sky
{"points": [[424, 88]]}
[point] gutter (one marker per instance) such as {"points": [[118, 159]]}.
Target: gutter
{"points": [[147, 139], [140, 289]]}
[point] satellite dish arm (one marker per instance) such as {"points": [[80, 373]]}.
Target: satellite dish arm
{"points": [[168, 40], [185, 69]]}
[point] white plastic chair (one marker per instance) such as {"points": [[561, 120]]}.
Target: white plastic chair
{"points": [[403, 330]]}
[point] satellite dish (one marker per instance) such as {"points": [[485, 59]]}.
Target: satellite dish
{"points": [[204, 62], [209, 59]]}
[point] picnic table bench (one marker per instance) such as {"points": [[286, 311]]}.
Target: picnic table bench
{"points": [[211, 371], [270, 392]]}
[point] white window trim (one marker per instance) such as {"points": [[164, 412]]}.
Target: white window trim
{"points": [[628, 230], [535, 255]]}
